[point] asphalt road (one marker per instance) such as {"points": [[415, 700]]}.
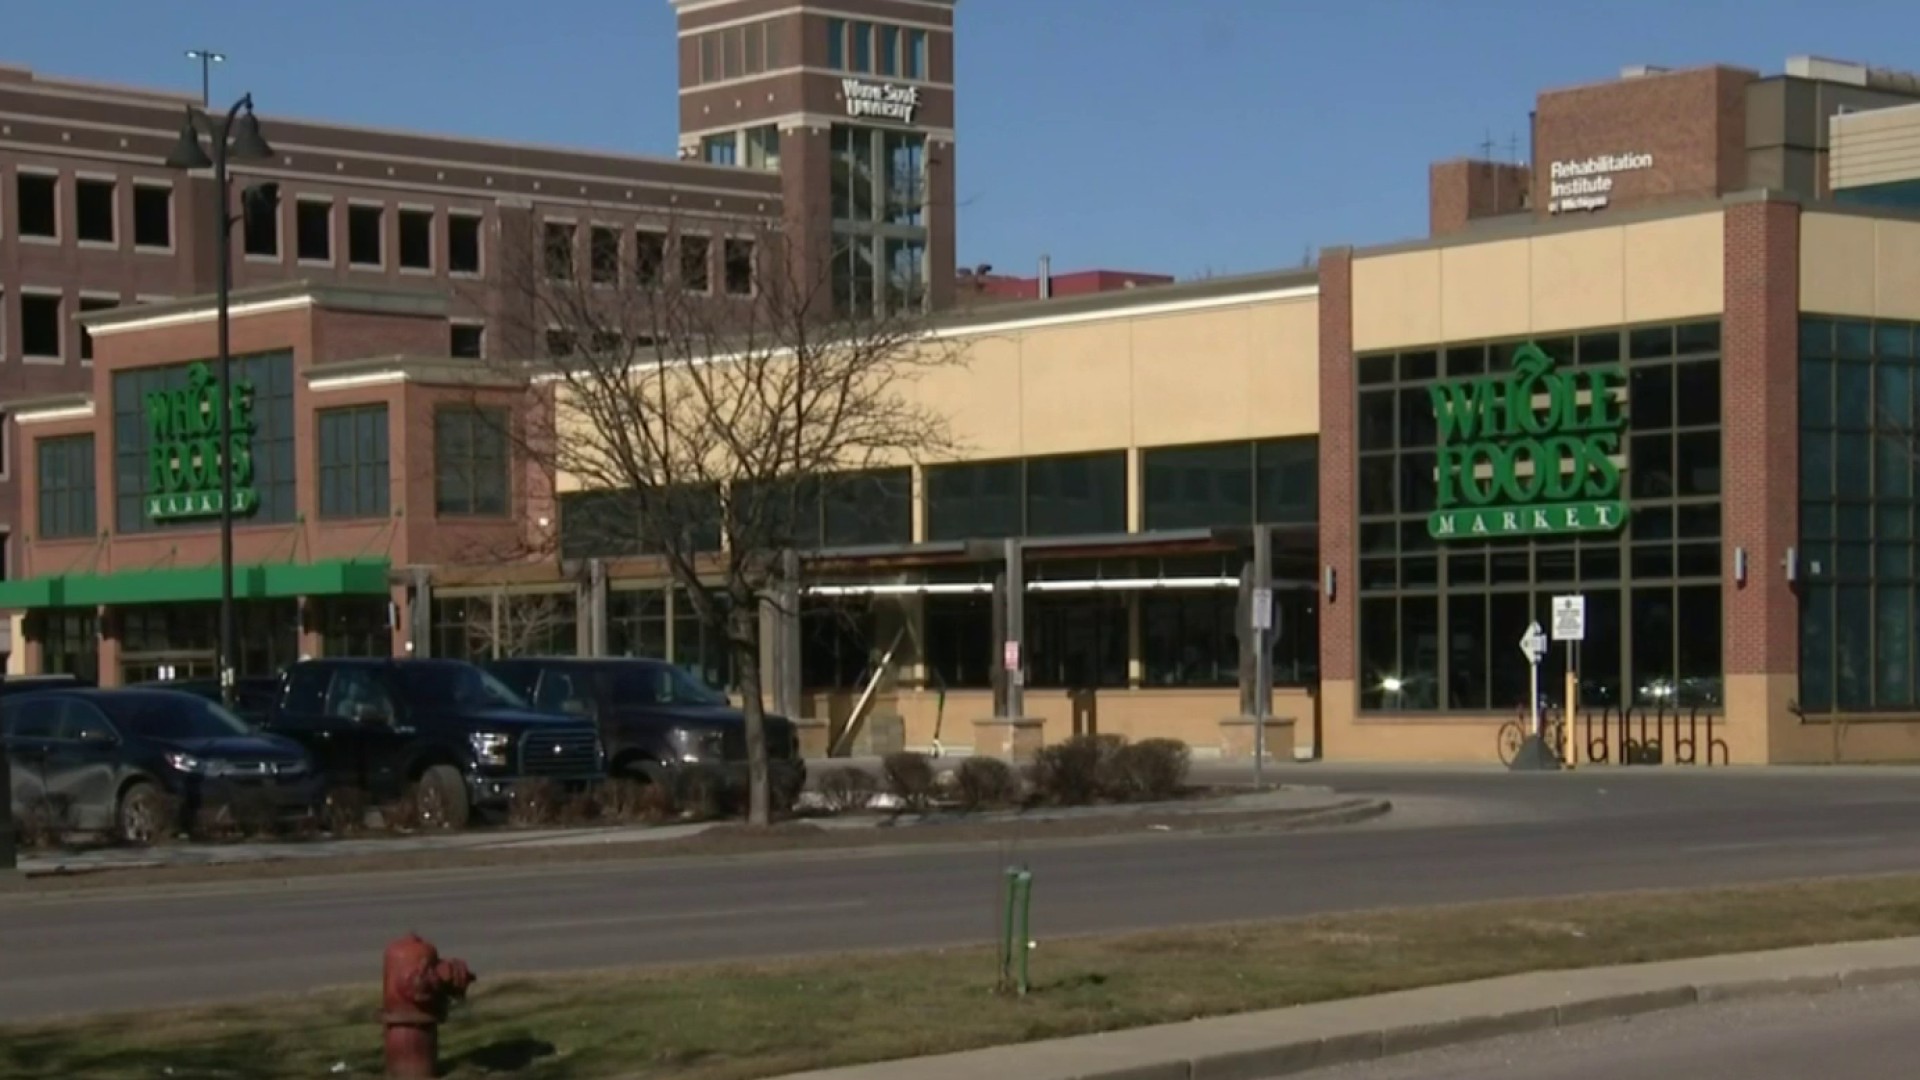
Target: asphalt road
{"points": [[1852, 1035], [1455, 836]]}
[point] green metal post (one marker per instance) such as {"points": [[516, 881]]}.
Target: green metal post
{"points": [[1024, 883]]}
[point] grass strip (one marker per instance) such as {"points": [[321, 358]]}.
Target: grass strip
{"points": [[724, 1022]]}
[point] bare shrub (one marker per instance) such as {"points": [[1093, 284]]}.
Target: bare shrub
{"points": [[983, 783], [534, 803], [909, 778], [843, 789], [700, 793], [1070, 773], [344, 813], [1152, 770]]}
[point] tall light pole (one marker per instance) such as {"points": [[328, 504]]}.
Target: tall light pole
{"points": [[237, 137], [207, 58]]}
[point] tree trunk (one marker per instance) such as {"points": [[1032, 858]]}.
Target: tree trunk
{"points": [[745, 619]]}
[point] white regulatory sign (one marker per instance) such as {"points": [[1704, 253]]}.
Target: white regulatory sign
{"points": [[1569, 618], [1263, 609], [1533, 643]]}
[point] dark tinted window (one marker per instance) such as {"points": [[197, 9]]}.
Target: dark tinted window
{"points": [[306, 690], [448, 684], [32, 718], [171, 716], [660, 684]]}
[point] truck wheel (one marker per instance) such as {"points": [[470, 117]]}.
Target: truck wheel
{"points": [[141, 817], [440, 798]]}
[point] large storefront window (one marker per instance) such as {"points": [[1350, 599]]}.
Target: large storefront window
{"points": [[1273, 481], [470, 462], [353, 626], [480, 628], [65, 473], [354, 477], [1858, 536], [154, 441], [1441, 612], [641, 622], [1064, 495], [69, 642]]}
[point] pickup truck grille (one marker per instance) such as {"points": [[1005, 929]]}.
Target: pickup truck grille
{"points": [[559, 753]]}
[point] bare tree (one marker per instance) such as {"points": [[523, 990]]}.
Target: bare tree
{"points": [[711, 391], [522, 624]]}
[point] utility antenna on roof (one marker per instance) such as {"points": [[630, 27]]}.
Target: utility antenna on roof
{"points": [[1486, 147], [1513, 148]]}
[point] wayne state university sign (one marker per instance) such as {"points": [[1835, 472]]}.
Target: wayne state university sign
{"points": [[1533, 451]]}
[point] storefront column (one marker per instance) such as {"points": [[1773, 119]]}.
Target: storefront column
{"points": [[107, 629], [593, 610], [312, 638], [415, 600], [1760, 482], [1337, 569]]}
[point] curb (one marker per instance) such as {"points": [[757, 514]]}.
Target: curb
{"points": [[1283, 1059], [1283, 1042]]}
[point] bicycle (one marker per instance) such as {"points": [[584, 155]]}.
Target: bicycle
{"points": [[1513, 734]]}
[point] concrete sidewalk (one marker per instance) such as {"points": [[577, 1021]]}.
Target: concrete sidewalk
{"points": [[1253, 1046], [1290, 800]]}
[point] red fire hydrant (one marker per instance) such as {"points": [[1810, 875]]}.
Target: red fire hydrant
{"points": [[417, 989]]}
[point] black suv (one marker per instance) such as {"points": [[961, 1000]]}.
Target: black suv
{"points": [[104, 760], [655, 719], [443, 730]]}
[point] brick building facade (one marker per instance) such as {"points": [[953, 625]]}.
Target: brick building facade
{"points": [[1676, 381]]}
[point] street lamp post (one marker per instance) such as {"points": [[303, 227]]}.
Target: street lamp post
{"points": [[237, 137], [207, 58]]}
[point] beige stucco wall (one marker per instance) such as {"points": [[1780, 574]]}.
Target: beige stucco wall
{"points": [[1860, 266], [1602, 276], [1235, 372], [1878, 146], [1154, 376]]}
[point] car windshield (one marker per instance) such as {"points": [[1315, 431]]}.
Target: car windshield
{"points": [[661, 684], [172, 716], [460, 686]]}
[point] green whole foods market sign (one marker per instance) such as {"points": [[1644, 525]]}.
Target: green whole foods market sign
{"points": [[1535, 451], [183, 448]]}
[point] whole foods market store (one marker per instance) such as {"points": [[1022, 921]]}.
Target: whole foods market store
{"points": [[1696, 418], [121, 494]]}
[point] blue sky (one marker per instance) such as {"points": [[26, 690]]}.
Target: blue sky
{"points": [[1180, 136]]}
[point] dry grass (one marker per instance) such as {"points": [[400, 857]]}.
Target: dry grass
{"points": [[737, 1021]]}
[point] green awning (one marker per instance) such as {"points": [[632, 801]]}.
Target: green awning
{"points": [[176, 585]]}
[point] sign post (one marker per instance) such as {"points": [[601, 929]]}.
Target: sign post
{"points": [[1570, 626], [1533, 755], [1260, 612]]}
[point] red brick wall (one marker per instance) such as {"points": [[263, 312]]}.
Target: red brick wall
{"points": [[1692, 122], [1337, 464], [1760, 474], [1463, 190]]}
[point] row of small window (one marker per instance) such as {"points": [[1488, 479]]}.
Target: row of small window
{"points": [[1659, 396], [471, 473], [43, 321], [1659, 466], [1601, 347], [1641, 561], [367, 239], [1829, 338], [1272, 481], [98, 213], [757, 147], [97, 210], [1457, 652], [876, 49], [655, 258], [735, 52], [1187, 638]]}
